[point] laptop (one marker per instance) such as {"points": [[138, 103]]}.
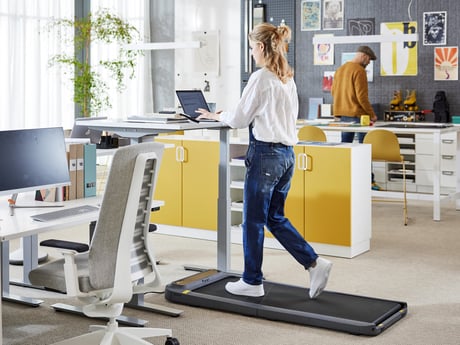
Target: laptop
{"points": [[190, 101], [81, 131]]}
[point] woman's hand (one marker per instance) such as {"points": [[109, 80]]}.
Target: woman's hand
{"points": [[204, 114]]}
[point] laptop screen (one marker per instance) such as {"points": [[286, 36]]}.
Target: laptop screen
{"points": [[191, 100]]}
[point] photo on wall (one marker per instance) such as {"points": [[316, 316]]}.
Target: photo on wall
{"points": [[434, 28], [333, 15]]}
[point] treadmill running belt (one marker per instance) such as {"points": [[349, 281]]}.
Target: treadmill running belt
{"points": [[338, 311]]}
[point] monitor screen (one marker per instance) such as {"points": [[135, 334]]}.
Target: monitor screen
{"points": [[32, 159]]}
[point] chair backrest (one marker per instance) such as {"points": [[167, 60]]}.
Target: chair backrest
{"points": [[385, 145], [118, 254], [311, 133]]}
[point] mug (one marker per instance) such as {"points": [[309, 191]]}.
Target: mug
{"points": [[365, 120]]}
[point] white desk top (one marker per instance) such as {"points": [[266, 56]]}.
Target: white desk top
{"points": [[21, 224]]}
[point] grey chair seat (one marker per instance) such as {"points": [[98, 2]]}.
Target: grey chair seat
{"points": [[51, 275]]}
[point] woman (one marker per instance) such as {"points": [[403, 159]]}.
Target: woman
{"points": [[269, 106]]}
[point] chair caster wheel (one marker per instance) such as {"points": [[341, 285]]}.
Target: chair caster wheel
{"points": [[172, 341]]}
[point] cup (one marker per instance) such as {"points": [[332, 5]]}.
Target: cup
{"points": [[365, 120]]}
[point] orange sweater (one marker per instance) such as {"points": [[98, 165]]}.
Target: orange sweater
{"points": [[350, 92]]}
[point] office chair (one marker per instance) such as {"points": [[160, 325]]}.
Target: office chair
{"points": [[311, 133], [385, 147], [120, 257]]}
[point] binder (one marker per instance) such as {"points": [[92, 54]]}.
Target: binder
{"points": [[89, 170], [72, 171], [80, 172]]}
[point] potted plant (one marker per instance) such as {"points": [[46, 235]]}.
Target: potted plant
{"points": [[90, 88]]}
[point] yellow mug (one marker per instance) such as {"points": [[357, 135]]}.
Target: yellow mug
{"points": [[365, 120]]}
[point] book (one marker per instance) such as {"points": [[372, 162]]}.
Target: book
{"points": [[80, 172], [72, 171], [89, 170]]}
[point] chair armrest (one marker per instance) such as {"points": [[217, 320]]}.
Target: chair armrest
{"points": [[70, 272]]}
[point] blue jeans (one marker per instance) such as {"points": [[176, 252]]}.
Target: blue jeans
{"points": [[347, 137], [268, 178]]}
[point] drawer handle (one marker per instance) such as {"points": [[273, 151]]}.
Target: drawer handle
{"points": [[447, 157], [448, 173], [447, 141], [302, 161]]}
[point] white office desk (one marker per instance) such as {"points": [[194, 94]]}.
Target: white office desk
{"points": [[21, 225], [426, 128]]}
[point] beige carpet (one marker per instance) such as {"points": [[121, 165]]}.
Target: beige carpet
{"points": [[418, 264]]}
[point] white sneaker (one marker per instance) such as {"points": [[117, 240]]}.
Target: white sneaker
{"points": [[244, 289], [319, 276]]}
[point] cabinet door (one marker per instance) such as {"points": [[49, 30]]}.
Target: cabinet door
{"points": [[169, 185], [328, 195], [200, 184], [295, 202]]}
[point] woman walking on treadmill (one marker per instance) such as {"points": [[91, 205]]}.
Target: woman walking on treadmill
{"points": [[269, 106]]}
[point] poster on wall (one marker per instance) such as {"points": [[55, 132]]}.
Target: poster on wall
{"points": [[434, 28], [328, 78], [333, 15], [310, 15], [361, 26], [206, 58], [398, 57], [446, 63], [323, 53]]}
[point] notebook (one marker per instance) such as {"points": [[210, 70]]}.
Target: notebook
{"points": [[190, 101]]}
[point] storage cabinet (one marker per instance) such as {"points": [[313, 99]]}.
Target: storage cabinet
{"points": [[330, 198], [321, 204], [188, 183]]}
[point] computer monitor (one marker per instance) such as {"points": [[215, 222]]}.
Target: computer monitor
{"points": [[32, 159]]}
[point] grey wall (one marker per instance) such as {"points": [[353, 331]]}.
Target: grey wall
{"points": [[309, 77]]}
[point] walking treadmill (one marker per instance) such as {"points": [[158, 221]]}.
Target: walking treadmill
{"points": [[337, 311]]}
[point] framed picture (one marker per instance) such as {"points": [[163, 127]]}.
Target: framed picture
{"points": [[446, 63], [333, 15], [434, 28], [310, 15]]}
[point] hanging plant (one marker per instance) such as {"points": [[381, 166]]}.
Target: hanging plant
{"points": [[90, 88]]}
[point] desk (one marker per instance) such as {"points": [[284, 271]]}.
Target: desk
{"points": [[135, 131], [426, 128], [21, 225]]}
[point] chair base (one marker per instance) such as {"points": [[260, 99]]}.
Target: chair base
{"points": [[111, 334]]}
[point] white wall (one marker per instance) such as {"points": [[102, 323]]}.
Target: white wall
{"points": [[210, 16]]}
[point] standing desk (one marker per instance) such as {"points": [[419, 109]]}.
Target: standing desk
{"points": [[135, 131], [427, 128]]}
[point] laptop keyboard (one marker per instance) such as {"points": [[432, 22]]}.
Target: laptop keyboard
{"points": [[64, 213]]}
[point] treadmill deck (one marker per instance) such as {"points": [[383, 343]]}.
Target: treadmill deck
{"points": [[342, 312]]}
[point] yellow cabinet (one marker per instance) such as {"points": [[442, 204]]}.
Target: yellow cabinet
{"points": [[330, 198], [188, 184]]}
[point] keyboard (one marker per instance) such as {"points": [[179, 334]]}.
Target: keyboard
{"points": [[64, 213]]}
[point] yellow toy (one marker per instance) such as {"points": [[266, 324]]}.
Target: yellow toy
{"points": [[410, 101], [395, 103]]}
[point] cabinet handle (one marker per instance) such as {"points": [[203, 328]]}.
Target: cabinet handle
{"points": [[309, 163], [301, 161], [447, 141], [180, 153], [448, 173], [447, 157]]}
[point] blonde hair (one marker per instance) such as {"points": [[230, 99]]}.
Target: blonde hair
{"points": [[275, 40]]}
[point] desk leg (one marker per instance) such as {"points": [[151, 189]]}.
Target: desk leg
{"points": [[6, 296], [223, 212]]}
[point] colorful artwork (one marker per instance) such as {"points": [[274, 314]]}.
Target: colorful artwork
{"points": [[328, 78], [434, 28], [398, 57], [446, 63], [323, 53], [310, 15]]}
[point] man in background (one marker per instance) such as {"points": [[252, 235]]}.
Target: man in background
{"points": [[350, 93]]}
